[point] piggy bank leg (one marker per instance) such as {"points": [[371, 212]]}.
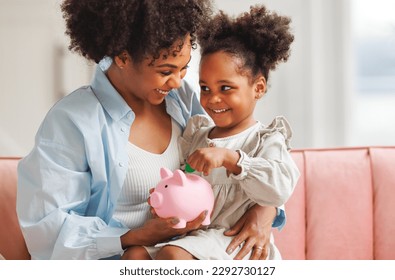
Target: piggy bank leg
{"points": [[181, 224]]}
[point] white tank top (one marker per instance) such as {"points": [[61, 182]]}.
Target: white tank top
{"points": [[143, 174]]}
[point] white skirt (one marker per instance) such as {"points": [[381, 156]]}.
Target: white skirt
{"points": [[210, 244]]}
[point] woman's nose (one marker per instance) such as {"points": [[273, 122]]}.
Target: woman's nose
{"points": [[175, 81]]}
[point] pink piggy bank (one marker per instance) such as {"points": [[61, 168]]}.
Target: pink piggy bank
{"points": [[182, 195]]}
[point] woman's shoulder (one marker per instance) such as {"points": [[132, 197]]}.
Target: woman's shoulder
{"points": [[79, 102], [76, 111]]}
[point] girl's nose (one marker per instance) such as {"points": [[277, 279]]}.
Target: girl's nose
{"points": [[214, 98]]}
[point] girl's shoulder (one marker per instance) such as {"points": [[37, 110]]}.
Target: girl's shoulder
{"points": [[198, 123], [278, 127], [278, 124]]}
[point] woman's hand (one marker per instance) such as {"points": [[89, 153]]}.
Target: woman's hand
{"points": [[254, 229], [158, 229]]}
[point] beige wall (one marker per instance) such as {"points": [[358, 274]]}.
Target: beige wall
{"points": [[36, 69]]}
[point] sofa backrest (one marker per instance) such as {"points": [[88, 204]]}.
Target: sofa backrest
{"points": [[342, 207]]}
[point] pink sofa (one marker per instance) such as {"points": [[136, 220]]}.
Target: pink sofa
{"points": [[341, 208]]}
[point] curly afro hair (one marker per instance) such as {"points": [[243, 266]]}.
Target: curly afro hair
{"points": [[99, 28], [260, 38]]}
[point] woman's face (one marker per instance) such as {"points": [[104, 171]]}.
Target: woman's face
{"points": [[152, 82], [226, 95]]}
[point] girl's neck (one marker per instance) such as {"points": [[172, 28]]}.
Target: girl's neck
{"points": [[222, 132]]}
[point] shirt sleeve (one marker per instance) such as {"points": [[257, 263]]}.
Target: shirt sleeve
{"points": [[61, 213], [269, 175]]}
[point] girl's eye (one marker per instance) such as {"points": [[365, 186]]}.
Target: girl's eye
{"points": [[204, 88], [225, 88]]}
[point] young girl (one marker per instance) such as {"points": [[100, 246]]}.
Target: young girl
{"points": [[246, 162]]}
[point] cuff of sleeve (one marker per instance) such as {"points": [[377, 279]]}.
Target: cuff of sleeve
{"points": [[279, 221], [244, 163], [109, 241]]}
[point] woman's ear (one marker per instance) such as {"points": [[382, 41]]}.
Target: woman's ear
{"points": [[121, 59], [260, 87]]}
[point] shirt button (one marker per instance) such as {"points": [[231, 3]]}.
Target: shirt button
{"points": [[123, 129], [120, 164]]}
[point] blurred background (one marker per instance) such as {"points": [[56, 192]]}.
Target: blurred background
{"points": [[337, 89]]}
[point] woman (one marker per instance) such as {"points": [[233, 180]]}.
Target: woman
{"points": [[84, 186]]}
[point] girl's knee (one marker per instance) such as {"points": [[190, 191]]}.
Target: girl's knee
{"points": [[136, 253], [173, 253]]}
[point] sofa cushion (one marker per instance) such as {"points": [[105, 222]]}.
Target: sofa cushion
{"points": [[339, 204], [12, 245]]}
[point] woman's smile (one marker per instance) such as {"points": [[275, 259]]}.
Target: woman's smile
{"points": [[163, 92]]}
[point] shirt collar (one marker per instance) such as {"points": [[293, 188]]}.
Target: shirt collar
{"points": [[108, 96]]}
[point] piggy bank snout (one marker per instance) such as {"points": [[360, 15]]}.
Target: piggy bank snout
{"points": [[156, 199]]}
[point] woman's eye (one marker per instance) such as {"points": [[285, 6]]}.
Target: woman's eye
{"points": [[166, 73], [225, 88]]}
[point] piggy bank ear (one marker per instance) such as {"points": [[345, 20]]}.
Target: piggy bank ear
{"points": [[164, 173], [180, 178]]}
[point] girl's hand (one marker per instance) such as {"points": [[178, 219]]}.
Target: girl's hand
{"points": [[205, 159], [254, 229]]}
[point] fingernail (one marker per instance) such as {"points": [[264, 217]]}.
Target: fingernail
{"points": [[175, 221], [229, 251]]}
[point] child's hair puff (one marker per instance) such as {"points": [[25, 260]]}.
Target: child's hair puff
{"points": [[260, 38]]}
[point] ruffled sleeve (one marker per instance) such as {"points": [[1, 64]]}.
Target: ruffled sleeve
{"points": [[269, 174], [278, 125], [186, 141]]}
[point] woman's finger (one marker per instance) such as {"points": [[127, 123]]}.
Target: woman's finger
{"points": [[265, 253], [245, 249], [237, 241], [196, 223]]}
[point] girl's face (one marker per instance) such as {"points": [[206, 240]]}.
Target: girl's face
{"points": [[151, 83], [226, 95]]}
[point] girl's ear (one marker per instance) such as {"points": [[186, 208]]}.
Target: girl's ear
{"points": [[260, 87]]}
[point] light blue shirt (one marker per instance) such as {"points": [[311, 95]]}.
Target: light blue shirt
{"points": [[68, 185]]}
